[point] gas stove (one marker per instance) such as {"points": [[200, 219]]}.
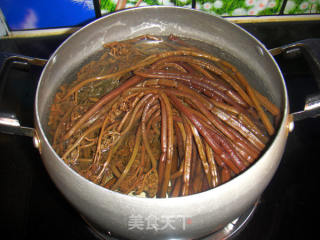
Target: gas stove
{"points": [[31, 207]]}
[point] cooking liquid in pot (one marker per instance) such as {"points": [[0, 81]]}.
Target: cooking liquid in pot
{"points": [[159, 117]]}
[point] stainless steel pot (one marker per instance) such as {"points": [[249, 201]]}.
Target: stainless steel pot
{"points": [[184, 217]]}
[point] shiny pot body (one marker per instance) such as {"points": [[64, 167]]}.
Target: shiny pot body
{"points": [[182, 217]]}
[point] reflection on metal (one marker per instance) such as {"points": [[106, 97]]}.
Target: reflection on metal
{"points": [[229, 231], [36, 141], [311, 109], [290, 123], [20, 60], [289, 49], [312, 102], [35, 61], [9, 124], [30, 60], [9, 121]]}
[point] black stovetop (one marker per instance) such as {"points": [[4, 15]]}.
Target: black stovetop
{"points": [[32, 208]]}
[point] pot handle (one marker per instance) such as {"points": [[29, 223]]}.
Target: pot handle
{"points": [[310, 48], [9, 123]]}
